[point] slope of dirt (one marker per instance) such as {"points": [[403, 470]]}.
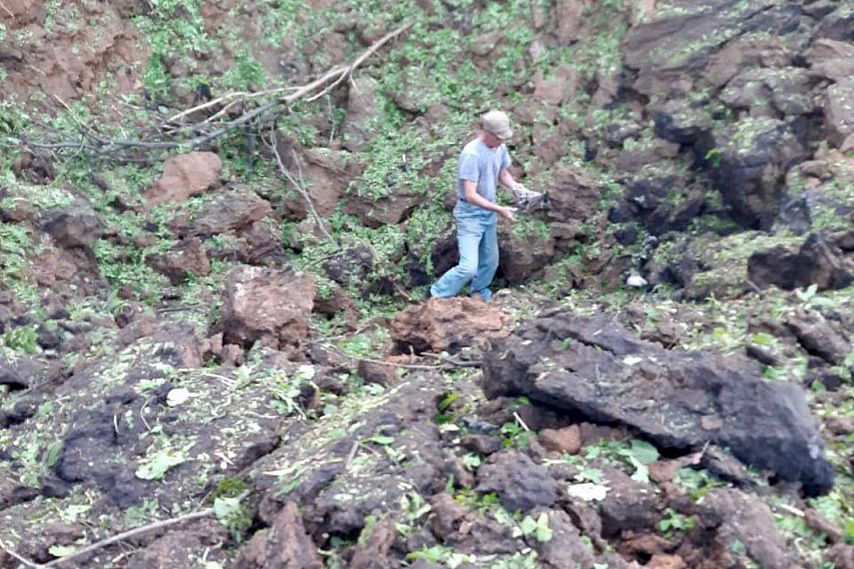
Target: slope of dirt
{"points": [[663, 380]]}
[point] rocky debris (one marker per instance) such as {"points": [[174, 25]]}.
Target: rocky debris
{"points": [[459, 525], [679, 400], [326, 174], [93, 56], [831, 59], [23, 372], [777, 93], [628, 505], [566, 440], [13, 492], [748, 161], [447, 324], [350, 266], [662, 561], [187, 258], [376, 373], [203, 539], [519, 483], [523, 255], [841, 555], [73, 226], [569, 14], [739, 518], [819, 337], [818, 261], [284, 545], [184, 176], [337, 493], [838, 116], [362, 107], [572, 196], [682, 121], [837, 25], [672, 50], [566, 549], [270, 306], [372, 551], [840, 426], [386, 210], [232, 210]]}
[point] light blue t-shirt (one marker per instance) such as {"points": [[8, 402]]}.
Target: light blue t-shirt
{"points": [[481, 164]]}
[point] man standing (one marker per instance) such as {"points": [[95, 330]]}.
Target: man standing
{"points": [[483, 163]]}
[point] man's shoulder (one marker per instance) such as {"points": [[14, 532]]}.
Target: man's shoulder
{"points": [[471, 148]]}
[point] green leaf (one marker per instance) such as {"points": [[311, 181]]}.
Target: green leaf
{"points": [[155, 467], [641, 473], [543, 533], [528, 525], [644, 452], [226, 508], [61, 550], [380, 440], [446, 401]]}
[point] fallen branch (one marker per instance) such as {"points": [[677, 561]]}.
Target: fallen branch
{"points": [[447, 363], [116, 538], [91, 143]]}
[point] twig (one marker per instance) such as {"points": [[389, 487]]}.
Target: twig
{"points": [[349, 70], [118, 537], [26, 562], [300, 187], [447, 364], [351, 455], [7, 10], [521, 422]]}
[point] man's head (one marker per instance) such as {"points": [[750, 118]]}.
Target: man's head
{"points": [[495, 128]]}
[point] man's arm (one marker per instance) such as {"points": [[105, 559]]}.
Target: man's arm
{"points": [[474, 198], [506, 179]]}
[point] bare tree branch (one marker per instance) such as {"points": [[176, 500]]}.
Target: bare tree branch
{"points": [[90, 141]]}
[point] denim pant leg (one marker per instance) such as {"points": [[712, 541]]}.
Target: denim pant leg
{"points": [[487, 257], [469, 231]]}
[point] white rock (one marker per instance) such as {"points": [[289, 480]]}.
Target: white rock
{"points": [[636, 281]]}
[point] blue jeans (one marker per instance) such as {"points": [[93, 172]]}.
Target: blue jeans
{"points": [[478, 243]]}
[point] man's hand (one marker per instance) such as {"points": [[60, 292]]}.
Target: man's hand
{"points": [[508, 213], [525, 198]]}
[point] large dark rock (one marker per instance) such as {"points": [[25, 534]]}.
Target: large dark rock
{"points": [[519, 483], [678, 400], [739, 518], [285, 545], [838, 115], [748, 162], [770, 92], [628, 505], [672, 49], [681, 121], [818, 261], [73, 226]]}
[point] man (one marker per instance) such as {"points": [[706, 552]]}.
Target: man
{"points": [[483, 163]]}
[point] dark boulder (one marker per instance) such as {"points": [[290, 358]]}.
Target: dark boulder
{"points": [[678, 400], [519, 482], [73, 226], [748, 162], [818, 261]]}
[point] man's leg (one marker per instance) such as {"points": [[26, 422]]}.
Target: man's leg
{"points": [[488, 261], [468, 238]]}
